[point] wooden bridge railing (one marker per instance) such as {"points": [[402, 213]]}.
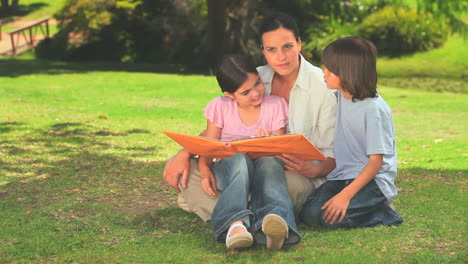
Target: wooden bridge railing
{"points": [[22, 32]]}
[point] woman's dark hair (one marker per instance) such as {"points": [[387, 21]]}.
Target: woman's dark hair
{"points": [[353, 60], [232, 71], [278, 20]]}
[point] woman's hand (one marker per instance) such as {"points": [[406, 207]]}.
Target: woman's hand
{"points": [[335, 208], [307, 168], [176, 167]]}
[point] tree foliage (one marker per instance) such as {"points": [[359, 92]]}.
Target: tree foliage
{"points": [[199, 32]]}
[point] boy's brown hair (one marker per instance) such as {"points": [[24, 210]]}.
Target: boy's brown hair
{"points": [[353, 60]]}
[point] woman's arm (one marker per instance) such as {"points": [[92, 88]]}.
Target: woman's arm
{"points": [[178, 166], [336, 207]]}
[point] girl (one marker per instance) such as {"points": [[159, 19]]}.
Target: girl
{"points": [[243, 112], [358, 191]]}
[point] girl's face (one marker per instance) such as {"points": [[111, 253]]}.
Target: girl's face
{"points": [[332, 80], [281, 51], [250, 93]]}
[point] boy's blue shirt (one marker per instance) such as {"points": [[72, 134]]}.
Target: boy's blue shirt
{"points": [[365, 127]]}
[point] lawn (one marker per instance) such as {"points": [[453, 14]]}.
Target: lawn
{"points": [[82, 153]]}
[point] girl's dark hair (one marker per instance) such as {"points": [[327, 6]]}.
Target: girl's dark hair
{"points": [[278, 20], [353, 60], [232, 71]]}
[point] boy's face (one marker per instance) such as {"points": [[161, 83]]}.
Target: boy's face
{"points": [[332, 80], [250, 93]]}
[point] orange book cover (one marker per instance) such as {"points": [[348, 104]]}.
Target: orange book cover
{"points": [[293, 144]]}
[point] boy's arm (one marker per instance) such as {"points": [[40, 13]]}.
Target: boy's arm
{"points": [[336, 207], [208, 181]]}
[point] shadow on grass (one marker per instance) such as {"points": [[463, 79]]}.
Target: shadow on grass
{"points": [[6, 127], [72, 166], [17, 67], [22, 10]]}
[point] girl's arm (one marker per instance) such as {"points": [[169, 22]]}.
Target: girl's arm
{"points": [[208, 181], [336, 207]]}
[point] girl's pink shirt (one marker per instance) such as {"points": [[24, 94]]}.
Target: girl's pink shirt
{"points": [[222, 111]]}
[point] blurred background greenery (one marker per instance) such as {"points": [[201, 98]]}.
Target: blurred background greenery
{"points": [[195, 33]]}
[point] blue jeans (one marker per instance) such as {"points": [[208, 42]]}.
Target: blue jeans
{"points": [[264, 179], [368, 207]]}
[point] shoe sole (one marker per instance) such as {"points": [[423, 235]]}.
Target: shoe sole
{"points": [[275, 229]]}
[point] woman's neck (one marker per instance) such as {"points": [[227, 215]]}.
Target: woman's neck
{"points": [[282, 85]]}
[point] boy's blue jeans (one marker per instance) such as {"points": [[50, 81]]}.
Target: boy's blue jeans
{"points": [[263, 178], [368, 207]]}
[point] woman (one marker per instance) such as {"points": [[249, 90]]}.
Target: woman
{"points": [[312, 109]]}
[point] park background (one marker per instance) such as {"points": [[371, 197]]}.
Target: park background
{"points": [[81, 119]]}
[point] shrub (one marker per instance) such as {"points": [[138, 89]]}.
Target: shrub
{"points": [[398, 30], [319, 37]]}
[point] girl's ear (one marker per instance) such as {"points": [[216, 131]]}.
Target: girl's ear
{"points": [[230, 95]]}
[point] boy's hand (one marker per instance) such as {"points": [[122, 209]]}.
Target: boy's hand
{"points": [[208, 182], [335, 208]]}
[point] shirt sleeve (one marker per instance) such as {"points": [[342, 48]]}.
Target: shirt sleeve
{"points": [[326, 123], [280, 118], [214, 112], [379, 132]]}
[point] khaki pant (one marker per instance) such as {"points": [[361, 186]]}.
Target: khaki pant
{"points": [[194, 199]]}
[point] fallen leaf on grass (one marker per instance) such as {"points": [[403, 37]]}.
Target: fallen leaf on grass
{"points": [[27, 212], [102, 117]]}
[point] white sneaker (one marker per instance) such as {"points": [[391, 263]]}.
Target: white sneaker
{"points": [[240, 240]]}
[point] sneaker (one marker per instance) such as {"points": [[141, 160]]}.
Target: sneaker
{"points": [[239, 240], [275, 229]]}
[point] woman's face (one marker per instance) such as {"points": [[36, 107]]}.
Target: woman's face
{"points": [[281, 51]]}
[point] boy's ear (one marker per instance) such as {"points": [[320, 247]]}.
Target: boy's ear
{"points": [[230, 95]]}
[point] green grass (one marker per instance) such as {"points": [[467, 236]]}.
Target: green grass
{"points": [[82, 155], [36, 9], [443, 70]]}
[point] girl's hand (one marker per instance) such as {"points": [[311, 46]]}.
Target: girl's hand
{"points": [[261, 132], [335, 208], [208, 182]]}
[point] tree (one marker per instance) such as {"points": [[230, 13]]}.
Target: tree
{"points": [[5, 5]]}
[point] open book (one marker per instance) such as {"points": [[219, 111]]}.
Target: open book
{"points": [[296, 145]]}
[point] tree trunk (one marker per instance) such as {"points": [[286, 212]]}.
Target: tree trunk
{"points": [[216, 29], [14, 4], [4, 4]]}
